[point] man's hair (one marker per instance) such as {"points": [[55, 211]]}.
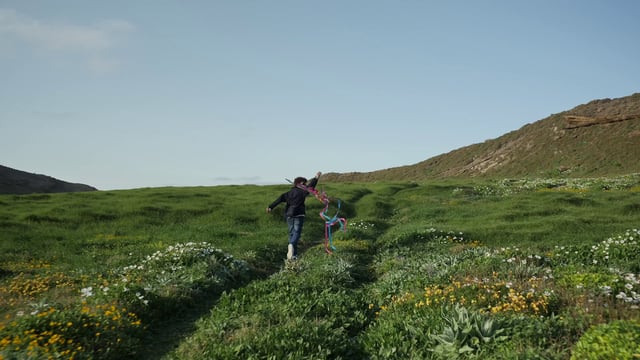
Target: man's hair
{"points": [[299, 180]]}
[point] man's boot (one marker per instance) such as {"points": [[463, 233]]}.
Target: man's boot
{"points": [[290, 252]]}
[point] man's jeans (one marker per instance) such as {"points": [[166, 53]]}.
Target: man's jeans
{"points": [[295, 231]]}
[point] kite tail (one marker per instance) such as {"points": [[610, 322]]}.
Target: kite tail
{"points": [[328, 224]]}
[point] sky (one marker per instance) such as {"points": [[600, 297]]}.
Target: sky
{"points": [[138, 93]]}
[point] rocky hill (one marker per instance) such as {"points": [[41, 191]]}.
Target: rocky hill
{"points": [[600, 138], [14, 181]]}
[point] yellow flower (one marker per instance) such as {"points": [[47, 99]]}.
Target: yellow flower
{"points": [[5, 341], [54, 339]]}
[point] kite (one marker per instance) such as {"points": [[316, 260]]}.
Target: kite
{"points": [[329, 221]]}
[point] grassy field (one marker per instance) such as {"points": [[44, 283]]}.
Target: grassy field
{"points": [[510, 269]]}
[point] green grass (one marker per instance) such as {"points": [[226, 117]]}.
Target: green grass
{"points": [[540, 246]]}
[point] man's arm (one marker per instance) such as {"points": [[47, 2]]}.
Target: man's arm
{"points": [[279, 200], [313, 182]]}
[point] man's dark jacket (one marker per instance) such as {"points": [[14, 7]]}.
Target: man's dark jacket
{"points": [[294, 199]]}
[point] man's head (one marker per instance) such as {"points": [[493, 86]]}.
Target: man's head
{"points": [[300, 181]]}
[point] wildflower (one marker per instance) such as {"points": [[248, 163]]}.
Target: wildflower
{"points": [[628, 286], [87, 292]]}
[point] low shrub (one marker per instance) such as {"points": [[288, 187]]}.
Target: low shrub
{"points": [[83, 331], [616, 340], [400, 335], [105, 320]]}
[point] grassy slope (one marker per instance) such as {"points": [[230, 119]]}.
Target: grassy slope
{"points": [[75, 228], [101, 230]]}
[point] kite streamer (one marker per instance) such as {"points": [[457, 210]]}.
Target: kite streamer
{"points": [[329, 221]]}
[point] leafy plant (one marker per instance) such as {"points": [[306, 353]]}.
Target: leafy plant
{"points": [[616, 340], [465, 332]]}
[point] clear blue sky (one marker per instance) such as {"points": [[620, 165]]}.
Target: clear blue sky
{"points": [[129, 94]]}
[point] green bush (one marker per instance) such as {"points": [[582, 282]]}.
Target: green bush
{"points": [[400, 335], [81, 331], [616, 340]]}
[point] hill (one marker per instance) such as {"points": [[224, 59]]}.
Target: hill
{"points": [[14, 181], [599, 138]]}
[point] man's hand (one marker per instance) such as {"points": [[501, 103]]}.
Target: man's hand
{"points": [[318, 174], [268, 209]]}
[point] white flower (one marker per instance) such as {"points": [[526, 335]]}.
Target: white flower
{"points": [[628, 286], [87, 292]]}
